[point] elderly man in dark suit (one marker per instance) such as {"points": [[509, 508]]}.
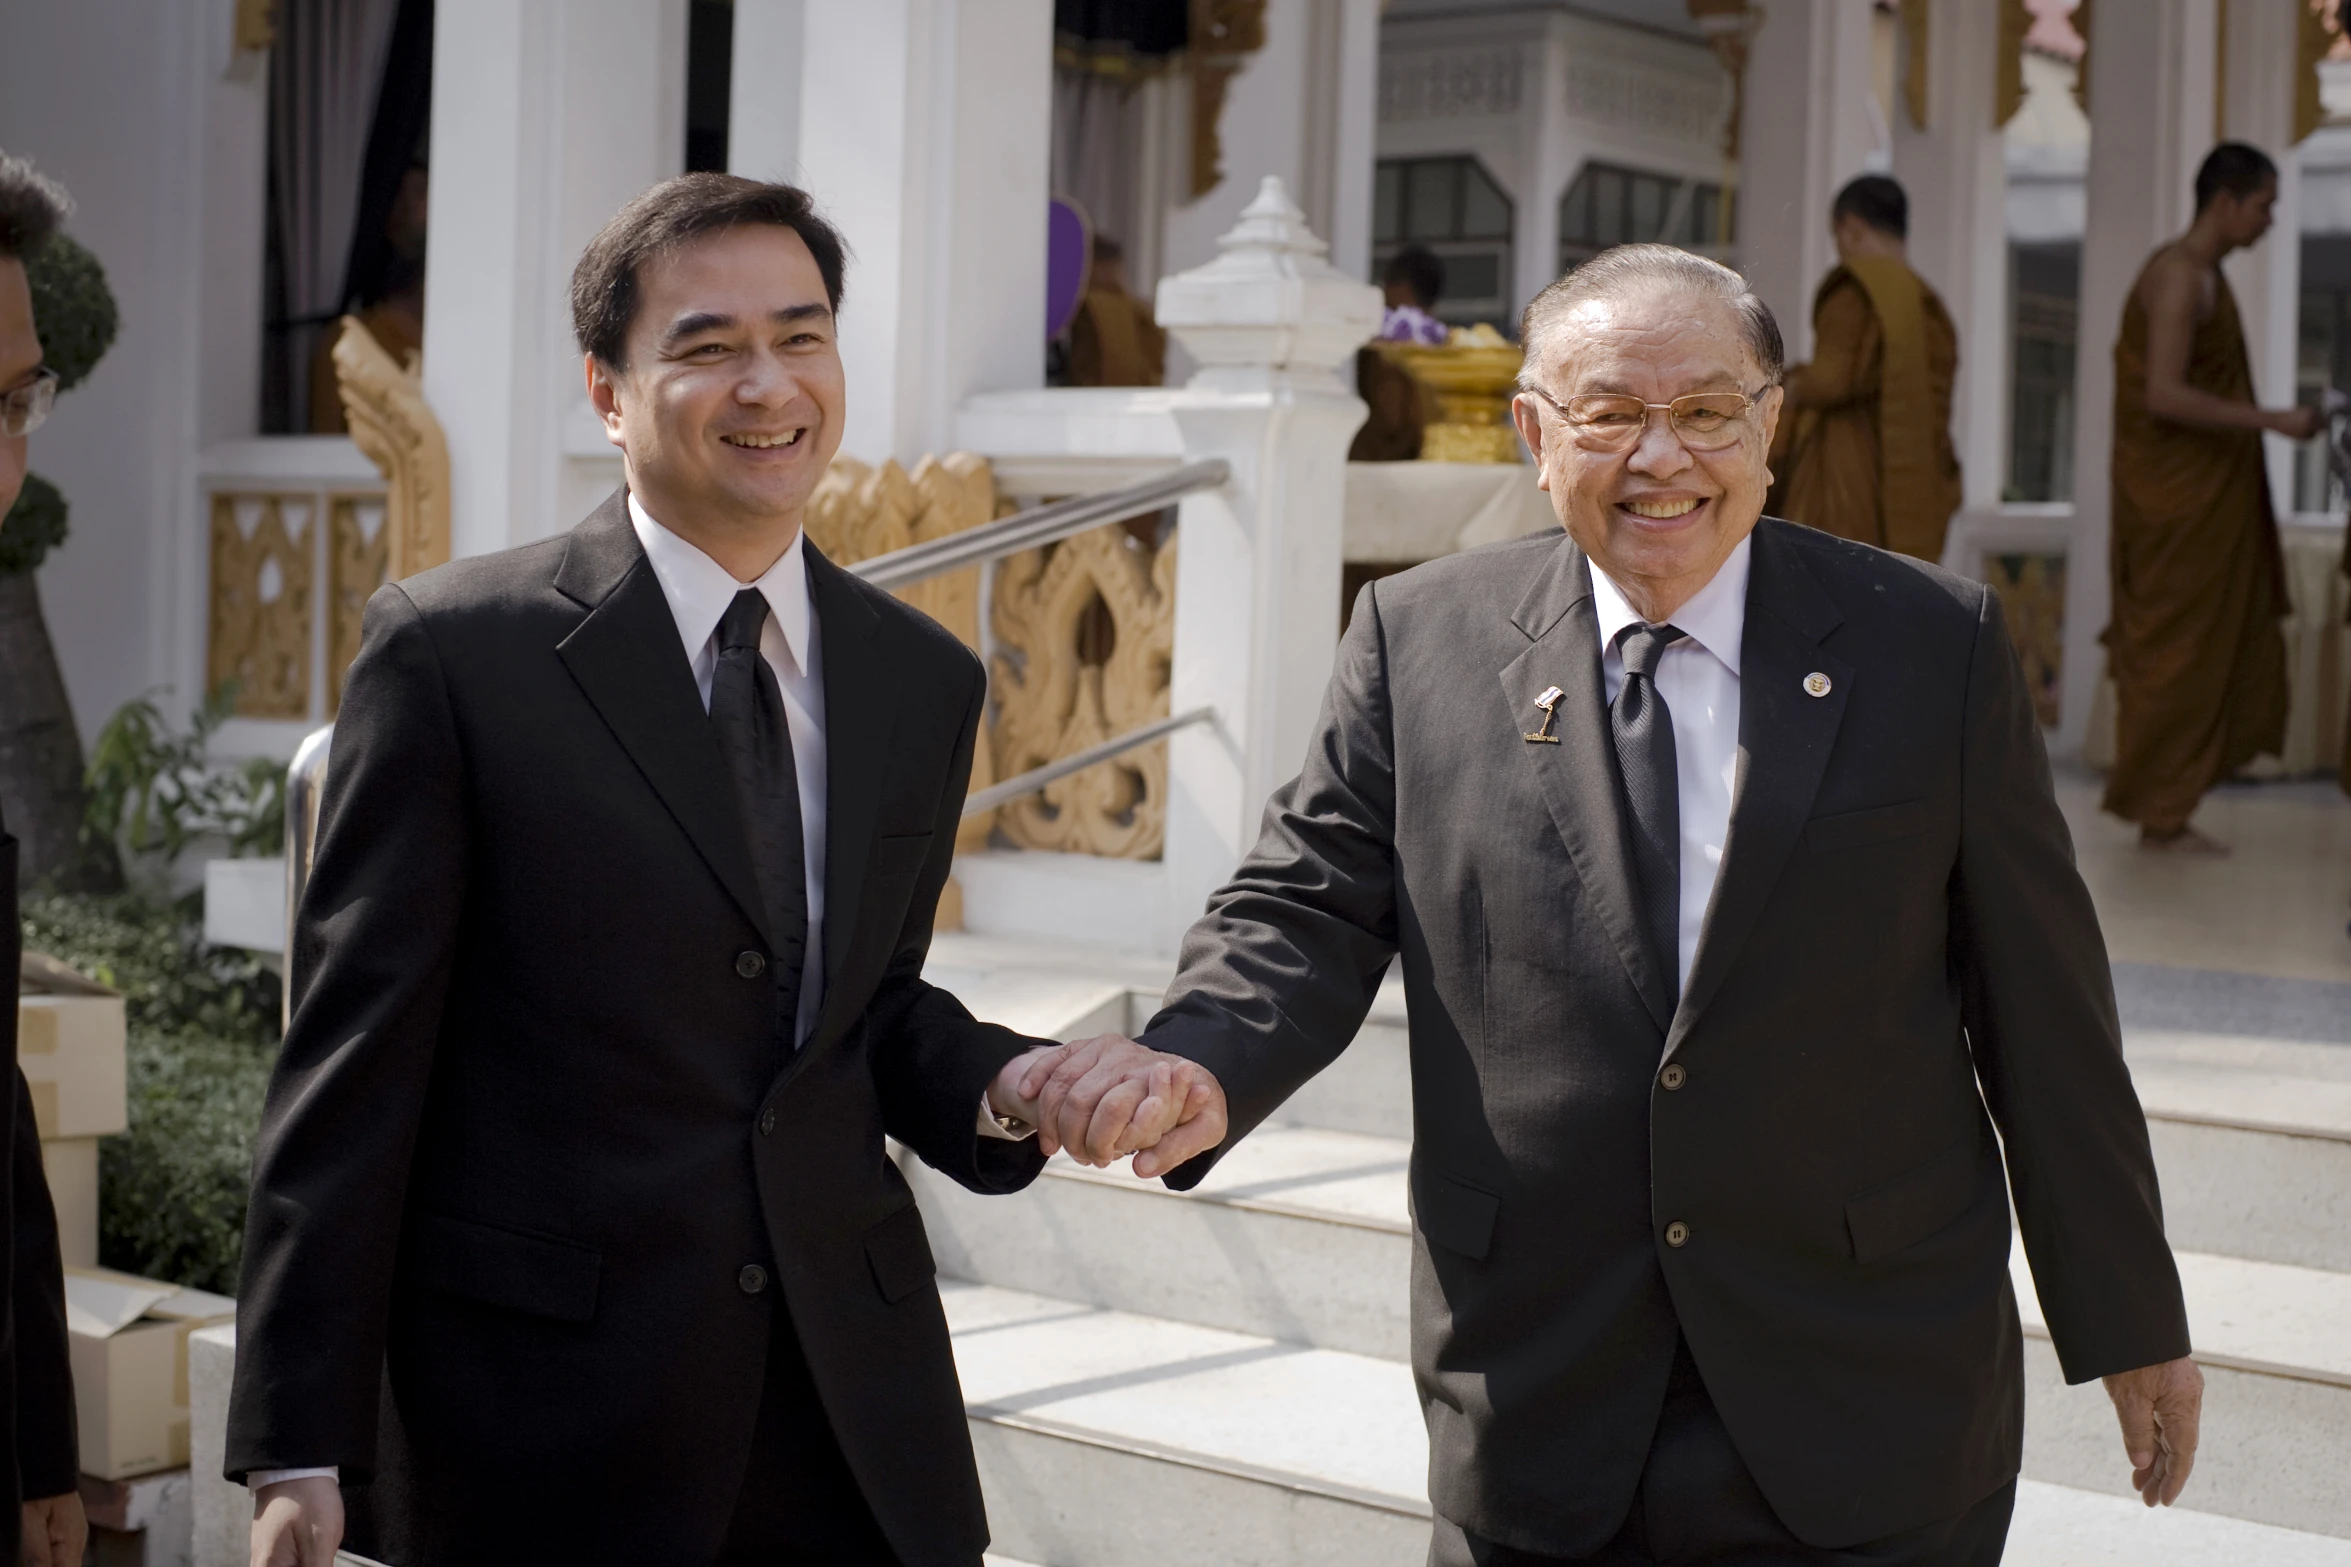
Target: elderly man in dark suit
{"points": [[608, 987], [1735, 914]]}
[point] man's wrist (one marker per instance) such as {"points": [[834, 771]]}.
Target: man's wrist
{"points": [[260, 1478]]}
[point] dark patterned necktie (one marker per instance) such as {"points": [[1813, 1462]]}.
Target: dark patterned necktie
{"points": [[1643, 730], [747, 709]]}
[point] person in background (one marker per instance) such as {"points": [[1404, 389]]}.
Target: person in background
{"points": [[395, 317], [1114, 341], [40, 1454], [1412, 282], [1865, 444], [2198, 660]]}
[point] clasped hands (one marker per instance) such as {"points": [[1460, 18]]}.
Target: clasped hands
{"points": [[1100, 1099]]}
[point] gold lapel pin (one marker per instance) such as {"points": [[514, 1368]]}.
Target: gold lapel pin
{"points": [[1549, 703], [1816, 684]]}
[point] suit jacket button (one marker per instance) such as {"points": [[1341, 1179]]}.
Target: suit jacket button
{"points": [[767, 1121], [1673, 1076], [750, 964], [752, 1279], [1676, 1234]]}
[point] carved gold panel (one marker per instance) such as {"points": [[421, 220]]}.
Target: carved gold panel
{"points": [[259, 619], [359, 548], [390, 421], [1085, 631]]}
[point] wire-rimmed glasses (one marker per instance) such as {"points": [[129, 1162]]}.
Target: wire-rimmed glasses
{"points": [[1613, 421], [22, 408]]}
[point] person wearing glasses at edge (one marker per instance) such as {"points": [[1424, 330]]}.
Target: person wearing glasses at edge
{"points": [[1721, 862], [43, 1525]]}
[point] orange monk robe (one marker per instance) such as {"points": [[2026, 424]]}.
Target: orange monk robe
{"points": [[1114, 341], [1864, 446], [2199, 663]]}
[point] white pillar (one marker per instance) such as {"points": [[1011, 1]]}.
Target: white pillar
{"points": [[2150, 125], [1955, 176], [1804, 130], [547, 115], [1257, 577], [2257, 106], [925, 133], [763, 89]]}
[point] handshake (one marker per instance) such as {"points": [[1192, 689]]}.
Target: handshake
{"points": [[1101, 1099]]}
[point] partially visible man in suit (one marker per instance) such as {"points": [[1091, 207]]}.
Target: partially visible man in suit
{"points": [[42, 1523], [1735, 912], [608, 988]]}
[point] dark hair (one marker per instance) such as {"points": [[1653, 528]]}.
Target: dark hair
{"points": [[1631, 268], [2234, 167], [662, 217], [1877, 200], [1419, 269], [31, 208]]}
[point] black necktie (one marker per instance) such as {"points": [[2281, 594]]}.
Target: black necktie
{"points": [[747, 708], [1643, 729]]}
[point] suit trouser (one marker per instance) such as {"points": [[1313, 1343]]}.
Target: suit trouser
{"points": [[799, 1504], [1698, 1506]]}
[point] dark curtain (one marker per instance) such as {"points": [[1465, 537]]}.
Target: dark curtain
{"points": [[396, 142]]}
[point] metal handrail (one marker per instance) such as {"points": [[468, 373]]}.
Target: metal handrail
{"points": [[1053, 772], [1040, 525], [306, 781]]}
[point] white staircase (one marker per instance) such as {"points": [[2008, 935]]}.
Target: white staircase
{"points": [[1227, 1368]]}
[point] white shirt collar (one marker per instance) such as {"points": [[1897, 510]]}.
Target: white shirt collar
{"points": [[699, 589], [1715, 618]]}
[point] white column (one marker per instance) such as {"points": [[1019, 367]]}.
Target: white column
{"points": [[547, 115], [1804, 131], [1257, 578], [763, 89], [1957, 183], [2150, 125], [2257, 106], [925, 133]]}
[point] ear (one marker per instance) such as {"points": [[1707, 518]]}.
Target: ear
{"points": [[1529, 419], [1767, 411], [603, 396]]}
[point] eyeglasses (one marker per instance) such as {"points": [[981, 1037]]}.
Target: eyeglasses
{"points": [[23, 408], [1613, 421]]}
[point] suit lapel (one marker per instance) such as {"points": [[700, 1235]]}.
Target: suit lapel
{"points": [[861, 713], [627, 659], [1578, 775], [1785, 737]]}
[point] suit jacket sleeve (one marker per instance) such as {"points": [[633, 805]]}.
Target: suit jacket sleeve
{"points": [[373, 947], [2038, 1000], [932, 1061], [1274, 980], [48, 1457]]}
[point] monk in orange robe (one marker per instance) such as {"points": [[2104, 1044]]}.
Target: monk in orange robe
{"points": [[2198, 660], [1864, 447]]}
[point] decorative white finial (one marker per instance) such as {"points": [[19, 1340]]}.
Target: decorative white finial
{"points": [[1269, 298]]}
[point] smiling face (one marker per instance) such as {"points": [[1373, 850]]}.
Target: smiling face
{"points": [[731, 403], [1659, 518]]}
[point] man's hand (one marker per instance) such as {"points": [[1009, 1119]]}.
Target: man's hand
{"points": [[55, 1531], [2297, 423], [297, 1523], [1103, 1098], [2159, 1407]]}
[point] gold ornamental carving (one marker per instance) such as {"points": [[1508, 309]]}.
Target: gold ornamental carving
{"points": [[1472, 378], [2016, 20], [390, 421], [859, 511], [258, 632], [2313, 40], [1224, 34], [257, 23], [1914, 61], [1729, 28], [1086, 632], [358, 563]]}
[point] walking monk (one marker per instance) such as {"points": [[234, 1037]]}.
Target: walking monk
{"points": [[2198, 662], [1865, 442]]}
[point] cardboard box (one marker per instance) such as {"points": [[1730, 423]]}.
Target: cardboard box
{"points": [[69, 1040], [71, 1164], [130, 1367]]}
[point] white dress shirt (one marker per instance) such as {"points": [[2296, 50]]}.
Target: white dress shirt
{"points": [[1699, 679]]}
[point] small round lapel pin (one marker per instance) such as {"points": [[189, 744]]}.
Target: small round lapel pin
{"points": [[1816, 684]]}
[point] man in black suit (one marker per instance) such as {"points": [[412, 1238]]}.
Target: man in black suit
{"points": [[608, 990], [42, 1523], [1735, 912]]}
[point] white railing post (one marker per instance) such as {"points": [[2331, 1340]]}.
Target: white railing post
{"points": [[1271, 325]]}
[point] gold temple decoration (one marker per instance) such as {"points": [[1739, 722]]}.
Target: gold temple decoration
{"points": [[2008, 80], [1914, 62], [858, 511], [1472, 378], [358, 561], [1224, 34], [257, 23], [383, 401], [1086, 632], [258, 631], [1729, 26], [2081, 70], [2313, 39]]}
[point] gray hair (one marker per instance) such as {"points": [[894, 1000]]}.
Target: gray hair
{"points": [[31, 208], [1631, 269]]}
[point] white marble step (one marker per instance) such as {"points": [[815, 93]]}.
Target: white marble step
{"points": [[1107, 1438]]}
